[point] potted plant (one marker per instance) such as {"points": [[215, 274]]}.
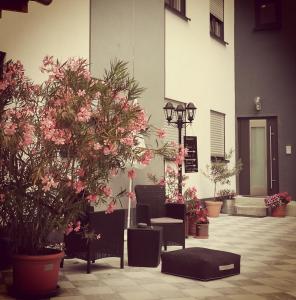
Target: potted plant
{"points": [[197, 216], [195, 213], [61, 142], [219, 172], [278, 203], [227, 197]]}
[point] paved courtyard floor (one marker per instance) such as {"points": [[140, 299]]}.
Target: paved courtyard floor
{"points": [[268, 268]]}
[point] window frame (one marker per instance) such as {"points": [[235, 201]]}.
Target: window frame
{"points": [[213, 22], [170, 5], [267, 26]]}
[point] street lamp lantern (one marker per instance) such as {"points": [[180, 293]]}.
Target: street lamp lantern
{"points": [[177, 117], [169, 110], [181, 112], [190, 108]]}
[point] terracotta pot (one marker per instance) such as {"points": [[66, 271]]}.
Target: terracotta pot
{"points": [[213, 208], [36, 275], [279, 211], [202, 231]]}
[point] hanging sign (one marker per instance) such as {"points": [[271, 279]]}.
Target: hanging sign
{"points": [[191, 162]]}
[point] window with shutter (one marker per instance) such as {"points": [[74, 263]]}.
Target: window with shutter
{"points": [[217, 19], [217, 134], [177, 6]]}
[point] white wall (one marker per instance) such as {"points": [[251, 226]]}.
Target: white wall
{"points": [[133, 31], [60, 29], [201, 70]]}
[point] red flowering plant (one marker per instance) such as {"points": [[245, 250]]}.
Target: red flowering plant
{"points": [[61, 142], [194, 208], [277, 200]]}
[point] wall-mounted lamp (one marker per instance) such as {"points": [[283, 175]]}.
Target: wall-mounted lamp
{"points": [[258, 103]]}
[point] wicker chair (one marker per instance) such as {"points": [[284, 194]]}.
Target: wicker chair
{"points": [[111, 243], [152, 210]]}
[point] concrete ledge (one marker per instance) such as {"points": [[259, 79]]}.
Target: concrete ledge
{"points": [[291, 209]]}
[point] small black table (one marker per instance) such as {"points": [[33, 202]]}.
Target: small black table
{"points": [[144, 246]]}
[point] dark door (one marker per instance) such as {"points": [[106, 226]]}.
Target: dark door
{"points": [[258, 142]]}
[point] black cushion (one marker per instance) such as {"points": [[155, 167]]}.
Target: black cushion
{"points": [[200, 263]]}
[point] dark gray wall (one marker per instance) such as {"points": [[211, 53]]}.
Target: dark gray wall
{"points": [[133, 31], [265, 66]]}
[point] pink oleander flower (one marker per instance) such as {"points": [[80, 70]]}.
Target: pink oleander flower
{"points": [[129, 141], [48, 183], [131, 195], [77, 226], [106, 151], [10, 128], [110, 208], [161, 181], [80, 172], [81, 93], [113, 172], [92, 198], [146, 157], [84, 114], [131, 174], [97, 146], [161, 133], [79, 186]]}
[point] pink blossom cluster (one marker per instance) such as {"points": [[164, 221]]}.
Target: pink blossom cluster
{"points": [[67, 137], [277, 200], [181, 155]]}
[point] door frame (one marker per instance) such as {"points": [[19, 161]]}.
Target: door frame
{"points": [[243, 134]]}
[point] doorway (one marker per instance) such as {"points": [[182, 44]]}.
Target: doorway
{"points": [[258, 149]]}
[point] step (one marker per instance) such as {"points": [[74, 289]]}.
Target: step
{"points": [[249, 201], [255, 210]]}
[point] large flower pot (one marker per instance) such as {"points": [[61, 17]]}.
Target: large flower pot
{"points": [[279, 211], [36, 276], [213, 208], [202, 231]]}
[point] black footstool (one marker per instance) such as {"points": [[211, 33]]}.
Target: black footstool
{"points": [[200, 263], [144, 246]]}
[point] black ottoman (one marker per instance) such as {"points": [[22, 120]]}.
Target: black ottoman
{"points": [[200, 263], [144, 246]]}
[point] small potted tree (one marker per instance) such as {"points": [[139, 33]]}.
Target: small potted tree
{"points": [[219, 172]]}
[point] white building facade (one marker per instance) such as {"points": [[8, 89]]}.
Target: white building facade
{"points": [[170, 51]]}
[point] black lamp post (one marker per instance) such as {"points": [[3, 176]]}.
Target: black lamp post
{"points": [[179, 117]]}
